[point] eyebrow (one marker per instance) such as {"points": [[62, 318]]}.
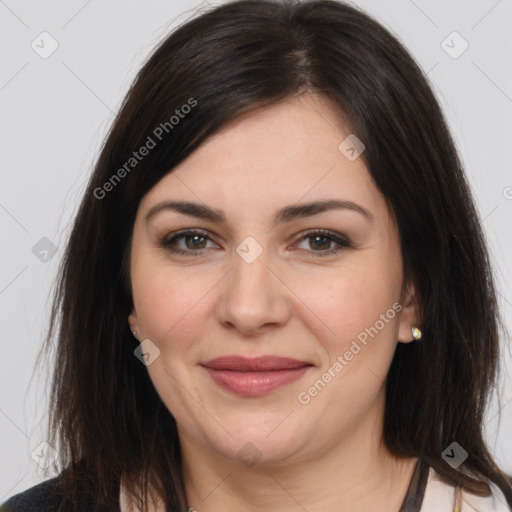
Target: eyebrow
{"points": [[286, 214]]}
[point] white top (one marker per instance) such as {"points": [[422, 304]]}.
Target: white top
{"points": [[439, 497]]}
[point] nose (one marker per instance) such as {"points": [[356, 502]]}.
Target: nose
{"points": [[253, 297]]}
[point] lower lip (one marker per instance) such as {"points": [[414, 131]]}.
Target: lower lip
{"points": [[255, 383]]}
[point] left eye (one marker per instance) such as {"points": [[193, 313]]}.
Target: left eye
{"points": [[195, 243], [323, 241]]}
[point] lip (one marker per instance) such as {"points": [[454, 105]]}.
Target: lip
{"points": [[254, 364], [254, 376]]}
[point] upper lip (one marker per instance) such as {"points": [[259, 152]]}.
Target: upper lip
{"points": [[262, 363]]}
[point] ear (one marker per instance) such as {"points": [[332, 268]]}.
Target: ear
{"points": [[410, 314], [132, 321]]}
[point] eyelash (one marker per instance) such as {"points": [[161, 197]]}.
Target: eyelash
{"points": [[343, 243]]}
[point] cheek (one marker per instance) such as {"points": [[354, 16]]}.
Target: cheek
{"points": [[357, 342], [168, 303], [347, 302], [171, 311]]}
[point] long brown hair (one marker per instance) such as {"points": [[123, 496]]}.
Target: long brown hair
{"points": [[106, 416]]}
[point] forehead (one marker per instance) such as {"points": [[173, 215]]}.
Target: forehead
{"points": [[271, 157]]}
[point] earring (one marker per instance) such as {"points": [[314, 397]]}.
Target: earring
{"points": [[135, 334], [416, 333]]}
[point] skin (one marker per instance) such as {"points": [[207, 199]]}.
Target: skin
{"points": [[328, 454]]}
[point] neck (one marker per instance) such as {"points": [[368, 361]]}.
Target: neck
{"points": [[354, 473]]}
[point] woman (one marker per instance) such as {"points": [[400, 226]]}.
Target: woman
{"points": [[276, 295]]}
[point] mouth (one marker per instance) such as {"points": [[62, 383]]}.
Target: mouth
{"points": [[254, 376]]}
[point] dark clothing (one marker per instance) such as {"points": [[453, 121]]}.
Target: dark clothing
{"points": [[45, 497]]}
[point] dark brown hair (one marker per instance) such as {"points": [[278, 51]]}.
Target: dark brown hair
{"points": [[106, 416]]}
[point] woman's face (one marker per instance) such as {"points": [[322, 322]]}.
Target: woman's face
{"points": [[260, 279]]}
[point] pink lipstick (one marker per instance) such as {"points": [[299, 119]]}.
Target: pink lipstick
{"points": [[254, 376]]}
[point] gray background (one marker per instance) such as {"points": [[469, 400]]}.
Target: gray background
{"points": [[55, 111]]}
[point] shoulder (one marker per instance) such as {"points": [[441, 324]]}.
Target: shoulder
{"points": [[440, 496], [45, 497], [496, 502]]}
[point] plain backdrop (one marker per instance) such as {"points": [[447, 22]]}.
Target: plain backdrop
{"points": [[55, 111]]}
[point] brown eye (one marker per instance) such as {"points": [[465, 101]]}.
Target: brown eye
{"points": [[320, 242], [194, 241], [186, 242]]}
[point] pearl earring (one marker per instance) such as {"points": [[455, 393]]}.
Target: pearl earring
{"points": [[416, 333], [135, 334]]}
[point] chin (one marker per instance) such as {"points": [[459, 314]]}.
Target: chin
{"points": [[257, 443]]}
